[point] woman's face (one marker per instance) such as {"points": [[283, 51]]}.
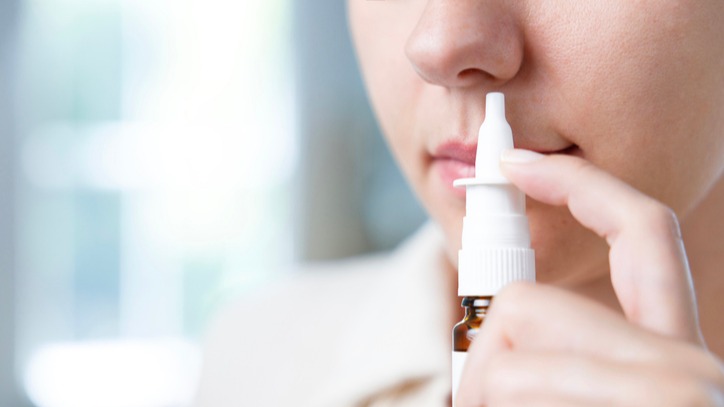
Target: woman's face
{"points": [[636, 87]]}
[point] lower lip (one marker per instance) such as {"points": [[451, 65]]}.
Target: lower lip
{"points": [[448, 170]]}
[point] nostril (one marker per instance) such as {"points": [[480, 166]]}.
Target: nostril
{"points": [[473, 74], [466, 72]]}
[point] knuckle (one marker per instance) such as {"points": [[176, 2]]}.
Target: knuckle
{"points": [[661, 218]]}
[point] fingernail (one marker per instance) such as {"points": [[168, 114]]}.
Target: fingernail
{"points": [[519, 156]]}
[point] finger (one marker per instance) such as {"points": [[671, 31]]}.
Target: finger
{"points": [[528, 378], [537, 318], [649, 269]]}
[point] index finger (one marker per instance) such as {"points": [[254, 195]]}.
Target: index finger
{"points": [[649, 269]]}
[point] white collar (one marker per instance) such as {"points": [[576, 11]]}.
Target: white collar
{"points": [[401, 332]]}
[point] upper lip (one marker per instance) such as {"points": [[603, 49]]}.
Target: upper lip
{"points": [[457, 151]]}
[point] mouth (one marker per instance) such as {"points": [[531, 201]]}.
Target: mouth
{"points": [[454, 160]]}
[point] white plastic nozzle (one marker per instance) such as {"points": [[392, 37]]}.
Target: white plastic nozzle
{"points": [[496, 238]]}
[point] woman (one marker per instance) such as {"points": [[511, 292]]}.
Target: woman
{"points": [[618, 109]]}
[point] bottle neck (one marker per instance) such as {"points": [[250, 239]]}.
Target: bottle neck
{"points": [[476, 307]]}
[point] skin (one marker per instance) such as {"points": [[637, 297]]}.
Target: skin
{"points": [[626, 100]]}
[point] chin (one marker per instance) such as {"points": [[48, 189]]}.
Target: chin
{"points": [[566, 253]]}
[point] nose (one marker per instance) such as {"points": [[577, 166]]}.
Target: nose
{"points": [[464, 43]]}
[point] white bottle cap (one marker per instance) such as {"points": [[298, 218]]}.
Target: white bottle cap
{"points": [[496, 237]]}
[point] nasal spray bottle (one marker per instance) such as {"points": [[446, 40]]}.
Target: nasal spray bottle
{"points": [[496, 238]]}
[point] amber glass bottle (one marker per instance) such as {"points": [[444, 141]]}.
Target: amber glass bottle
{"points": [[465, 330]]}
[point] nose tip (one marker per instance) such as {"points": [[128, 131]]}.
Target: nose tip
{"points": [[461, 44], [450, 64]]}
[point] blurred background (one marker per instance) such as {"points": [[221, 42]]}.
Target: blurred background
{"points": [[159, 159]]}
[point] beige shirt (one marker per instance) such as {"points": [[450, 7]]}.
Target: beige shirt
{"points": [[371, 331]]}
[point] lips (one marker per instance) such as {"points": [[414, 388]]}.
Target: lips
{"points": [[451, 161], [455, 160], [464, 153]]}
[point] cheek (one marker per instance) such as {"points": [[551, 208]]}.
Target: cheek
{"points": [[567, 254], [408, 110], [380, 30], [643, 99], [379, 33]]}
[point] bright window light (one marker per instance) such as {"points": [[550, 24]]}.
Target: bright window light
{"points": [[146, 373], [157, 151]]}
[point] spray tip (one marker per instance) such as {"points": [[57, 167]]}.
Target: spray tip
{"points": [[495, 105], [494, 137]]}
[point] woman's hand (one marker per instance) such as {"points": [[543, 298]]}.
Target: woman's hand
{"points": [[543, 346]]}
